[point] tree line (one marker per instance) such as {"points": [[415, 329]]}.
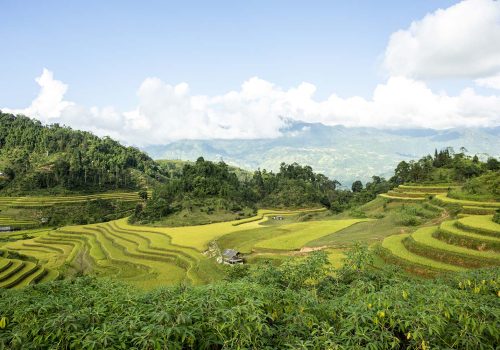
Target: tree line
{"points": [[446, 165], [206, 183]]}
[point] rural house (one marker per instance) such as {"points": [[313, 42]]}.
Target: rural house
{"points": [[231, 256]]}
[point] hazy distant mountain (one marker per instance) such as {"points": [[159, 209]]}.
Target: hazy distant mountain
{"points": [[339, 152]]}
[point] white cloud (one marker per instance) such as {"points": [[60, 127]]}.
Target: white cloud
{"points": [[257, 110], [492, 82], [460, 41], [49, 102]]}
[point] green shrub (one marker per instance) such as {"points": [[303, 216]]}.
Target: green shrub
{"points": [[362, 309], [408, 220], [496, 217], [357, 213]]}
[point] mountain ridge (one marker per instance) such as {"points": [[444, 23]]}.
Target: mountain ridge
{"points": [[340, 152]]}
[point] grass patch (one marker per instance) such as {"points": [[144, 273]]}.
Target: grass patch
{"points": [[299, 234]]}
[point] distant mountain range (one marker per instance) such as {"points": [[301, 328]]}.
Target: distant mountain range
{"points": [[343, 153]]}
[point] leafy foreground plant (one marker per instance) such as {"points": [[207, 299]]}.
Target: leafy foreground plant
{"points": [[297, 305]]}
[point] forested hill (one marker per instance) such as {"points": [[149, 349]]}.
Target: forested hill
{"points": [[53, 158]]}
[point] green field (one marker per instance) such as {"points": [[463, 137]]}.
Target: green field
{"points": [[415, 192], [15, 273], [481, 224], [26, 212], [469, 242], [402, 197], [198, 237], [295, 236], [470, 239], [44, 201], [447, 200], [424, 242], [394, 244], [144, 256]]}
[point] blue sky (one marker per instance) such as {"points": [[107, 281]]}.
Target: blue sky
{"points": [[104, 49], [156, 71]]}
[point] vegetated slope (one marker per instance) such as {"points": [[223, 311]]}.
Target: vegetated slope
{"points": [[468, 242], [17, 272], [206, 192], [25, 212], [54, 159], [143, 256]]}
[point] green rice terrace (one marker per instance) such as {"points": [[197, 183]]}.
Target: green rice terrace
{"points": [[16, 212], [470, 241], [149, 256]]}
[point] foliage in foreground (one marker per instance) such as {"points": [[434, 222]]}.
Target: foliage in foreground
{"points": [[296, 305]]}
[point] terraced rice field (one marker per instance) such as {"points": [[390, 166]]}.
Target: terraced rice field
{"points": [[473, 210], [481, 224], [394, 244], [469, 242], [144, 256], [15, 273], [198, 237], [427, 189], [30, 202], [414, 193], [475, 204], [7, 220]]}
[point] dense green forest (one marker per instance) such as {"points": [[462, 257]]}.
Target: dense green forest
{"points": [[300, 304], [34, 157], [214, 187]]}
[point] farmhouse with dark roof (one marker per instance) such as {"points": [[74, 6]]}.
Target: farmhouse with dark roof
{"points": [[231, 256]]}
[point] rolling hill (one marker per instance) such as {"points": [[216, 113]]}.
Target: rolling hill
{"points": [[342, 153]]}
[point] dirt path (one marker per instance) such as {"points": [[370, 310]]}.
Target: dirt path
{"points": [[312, 249]]}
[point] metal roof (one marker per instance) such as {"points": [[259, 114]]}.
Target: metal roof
{"points": [[230, 253]]}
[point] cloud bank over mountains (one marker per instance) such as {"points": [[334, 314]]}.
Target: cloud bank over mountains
{"points": [[462, 41]]}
